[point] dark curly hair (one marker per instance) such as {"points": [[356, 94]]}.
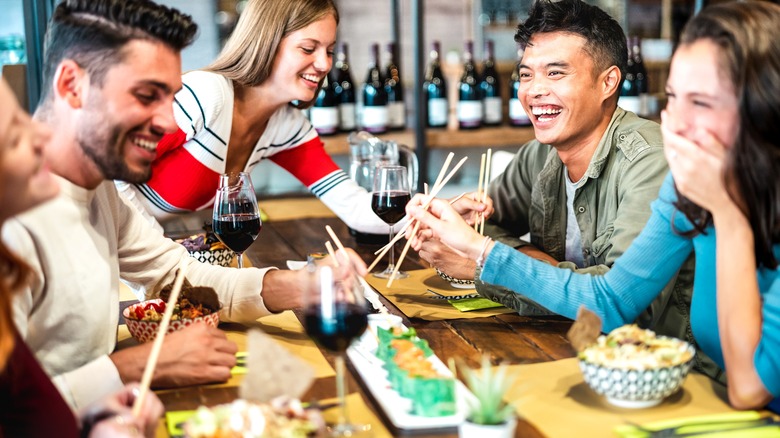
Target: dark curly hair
{"points": [[92, 33], [605, 40], [750, 57]]}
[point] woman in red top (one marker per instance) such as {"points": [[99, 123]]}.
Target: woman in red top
{"points": [[30, 405]]}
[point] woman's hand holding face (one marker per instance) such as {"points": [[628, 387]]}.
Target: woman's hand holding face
{"points": [[697, 165]]}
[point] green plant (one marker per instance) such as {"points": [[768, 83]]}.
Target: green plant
{"points": [[488, 385]]}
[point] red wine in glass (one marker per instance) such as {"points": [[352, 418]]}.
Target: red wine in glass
{"points": [[236, 217], [390, 206], [389, 196], [335, 334], [237, 231], [334, 314]]}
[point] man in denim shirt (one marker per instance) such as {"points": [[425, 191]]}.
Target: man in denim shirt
{"points": [[583, 188]]}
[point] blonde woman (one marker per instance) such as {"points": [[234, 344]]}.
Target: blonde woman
{"points": [[237, 112]]}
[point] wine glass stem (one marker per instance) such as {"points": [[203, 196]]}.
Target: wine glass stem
{"points": [[240, 259], [341, 389], [392, 250]]}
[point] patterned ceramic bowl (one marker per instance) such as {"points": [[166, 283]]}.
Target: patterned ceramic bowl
{"points": [[221, 257], [456, 282], [145, 331], [631, 388]]}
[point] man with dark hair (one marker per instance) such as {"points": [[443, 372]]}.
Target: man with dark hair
{"points": [[583, 187], [112, 68]]}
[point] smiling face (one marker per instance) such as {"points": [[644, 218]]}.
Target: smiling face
{"points": [[125, 118], [24, 180], [303, 59], [561, 92], [707, 104]]}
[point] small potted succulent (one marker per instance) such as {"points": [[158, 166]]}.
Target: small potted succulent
{"points": [[489, 415]]}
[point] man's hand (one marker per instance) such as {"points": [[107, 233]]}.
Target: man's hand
{"points": [[532, 251], [470, 209], [196, 355], [446, 260]]}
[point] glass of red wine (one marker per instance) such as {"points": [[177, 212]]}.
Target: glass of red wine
{"points": [[236, 216], [335, 314], [389, 197]]}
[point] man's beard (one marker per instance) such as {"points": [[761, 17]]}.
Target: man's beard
{"points": [[106, 150]]}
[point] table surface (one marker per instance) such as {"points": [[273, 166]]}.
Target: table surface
{"points": [[508, 338]]}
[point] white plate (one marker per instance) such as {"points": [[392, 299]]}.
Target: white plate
{"points": [[398, 409]]}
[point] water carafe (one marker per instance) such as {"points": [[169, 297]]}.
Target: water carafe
{"points": [[368, 152]]}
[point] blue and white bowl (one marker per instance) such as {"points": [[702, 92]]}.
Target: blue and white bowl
{"points": [[636, 388]]}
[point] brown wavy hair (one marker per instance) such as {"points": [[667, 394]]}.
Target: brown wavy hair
{"points": [[249, 53], [14, 274], [750, 56]]}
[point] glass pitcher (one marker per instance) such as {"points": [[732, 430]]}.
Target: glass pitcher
{"points": [[368, 152]]}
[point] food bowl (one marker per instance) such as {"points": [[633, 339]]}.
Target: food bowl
{"points": [[221, 257], [456, 282], [145, 331], [632, 377]]}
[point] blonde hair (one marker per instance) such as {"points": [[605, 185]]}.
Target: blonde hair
{"points": [[249, 53]]}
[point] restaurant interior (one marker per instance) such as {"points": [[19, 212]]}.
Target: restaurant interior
{"points": [[549, 387]]}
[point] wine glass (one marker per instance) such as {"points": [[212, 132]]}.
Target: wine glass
{"points": [[334, 315], [236, 216], [389, 197]]}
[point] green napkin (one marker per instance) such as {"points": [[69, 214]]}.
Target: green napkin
{"points": [[699, 426], [175, 419], [469, 304]]}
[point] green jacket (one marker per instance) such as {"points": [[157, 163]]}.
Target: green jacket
{"points": [[612, 207]]}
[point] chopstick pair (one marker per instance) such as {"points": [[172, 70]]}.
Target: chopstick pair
{"points": [[482, 189], [151, 361], [441, 181], [382, 251]]}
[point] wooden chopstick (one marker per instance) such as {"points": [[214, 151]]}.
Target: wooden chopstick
{"points": [[479, 187], [485, 190], [382, 251], [417, 223], [332, 253], [151, 362], [337, 241]]}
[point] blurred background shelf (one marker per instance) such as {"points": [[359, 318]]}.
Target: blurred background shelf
{"points": [[485, 137]]}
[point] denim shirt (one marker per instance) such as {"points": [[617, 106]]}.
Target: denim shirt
{"points": [[612, 206]]}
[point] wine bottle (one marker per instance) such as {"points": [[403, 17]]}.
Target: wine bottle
{"points": [[345, 90], [324, 113], [469, 101], [396, 111], [641, 76], [629, 93], [490, 90], [517, 114], [436, 91], [374, 117]]}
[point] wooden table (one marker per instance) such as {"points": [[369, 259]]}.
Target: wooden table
{"points": [[510, 338]]}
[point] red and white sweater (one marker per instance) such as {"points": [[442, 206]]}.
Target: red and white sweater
{"points": [[185, 174]]}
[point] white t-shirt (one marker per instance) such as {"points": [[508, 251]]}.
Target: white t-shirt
{"points": [[573, 234]]}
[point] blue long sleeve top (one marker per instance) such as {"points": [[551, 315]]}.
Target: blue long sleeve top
{"points": [[637, 277]]}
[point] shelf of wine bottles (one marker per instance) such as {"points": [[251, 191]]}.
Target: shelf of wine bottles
{"points": [[495, 137]]}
